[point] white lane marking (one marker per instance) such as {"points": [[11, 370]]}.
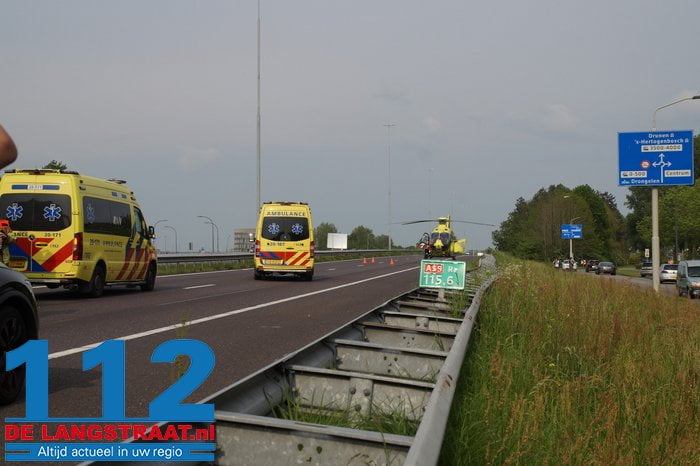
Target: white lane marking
{"points": [[169, 328], [198, 286], [330, 270], [209, 296]]}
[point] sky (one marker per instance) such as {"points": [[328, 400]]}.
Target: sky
{"points": [[491, 101]]}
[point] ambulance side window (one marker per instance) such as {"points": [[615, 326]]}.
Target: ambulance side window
{"points": [[139, 222], [106, 217]]}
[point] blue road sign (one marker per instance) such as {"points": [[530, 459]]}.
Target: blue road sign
{"points": [[571, 231], [655, 158]]}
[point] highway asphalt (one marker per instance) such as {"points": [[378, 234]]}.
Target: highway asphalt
{"points": [[247, 323]]}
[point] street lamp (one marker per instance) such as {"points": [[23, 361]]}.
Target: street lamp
{"points": [[571, 241], [156, 224], [653, 118], [174, 231], [218, 249], [212, 230], [257, 146], [571, 221], [388, 158], [655, 246], [430, 182], [217, 235]]}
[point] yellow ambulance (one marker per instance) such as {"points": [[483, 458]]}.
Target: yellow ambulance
{"points": [[76, 231], [284, 240]]}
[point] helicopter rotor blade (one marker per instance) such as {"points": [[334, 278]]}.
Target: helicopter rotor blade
{"points": [[434, 220], [419, 221], [474, 223]]}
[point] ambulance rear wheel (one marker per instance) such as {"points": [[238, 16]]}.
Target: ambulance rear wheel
{"points": [[150, 282], [96, 285], [308, 276]]}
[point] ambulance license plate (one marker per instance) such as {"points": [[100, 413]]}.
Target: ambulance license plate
{"points": [[272, 262]]}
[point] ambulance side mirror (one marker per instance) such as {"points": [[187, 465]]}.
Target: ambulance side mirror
{"points": [[151, 232]]}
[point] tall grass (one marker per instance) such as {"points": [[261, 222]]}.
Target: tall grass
{"points": [[572, 369], [387, 418]]}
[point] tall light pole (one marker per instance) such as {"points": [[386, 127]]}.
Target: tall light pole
{"points": [[155, 225], [218, 249], [655, 246], [571, 220], [174, 231], [212, 230], [571, 243], [430, 182], [388, 157], [257, 145]]}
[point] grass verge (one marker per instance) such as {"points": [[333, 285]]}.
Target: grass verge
{"points": [[566, 369]]}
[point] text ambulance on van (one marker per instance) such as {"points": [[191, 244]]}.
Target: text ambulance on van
{"points": [[284, 240], [76, 231]]}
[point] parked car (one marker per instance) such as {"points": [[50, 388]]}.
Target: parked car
{"points": [[688, 282], [565, 264], [646, 270], [592, 265], [668, 272], [606, 267], [19, 322]]}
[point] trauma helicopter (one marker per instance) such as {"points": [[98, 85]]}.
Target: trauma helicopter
{"points": [[442, 242]]}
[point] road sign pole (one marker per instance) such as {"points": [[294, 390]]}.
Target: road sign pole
{"points": [[655, 255], [635, 168], [571, 248]]}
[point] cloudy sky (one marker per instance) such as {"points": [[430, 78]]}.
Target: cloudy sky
{"points": [[492, 100]]}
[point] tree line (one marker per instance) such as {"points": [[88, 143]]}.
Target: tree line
{"points": [[361, 237], [533, 229]]}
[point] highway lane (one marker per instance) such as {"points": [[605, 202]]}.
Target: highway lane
{"points": [[248, 324], [668, 289]]}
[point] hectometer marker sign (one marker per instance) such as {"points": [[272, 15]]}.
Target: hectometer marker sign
{"points": [[442, 274], [655, 158]]}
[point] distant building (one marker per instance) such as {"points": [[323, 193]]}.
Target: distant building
{"points": [[241, 240]]}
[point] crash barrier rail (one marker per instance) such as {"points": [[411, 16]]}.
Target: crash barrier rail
{"points": [[401, 359]]}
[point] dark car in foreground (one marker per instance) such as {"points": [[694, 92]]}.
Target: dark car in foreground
{"points": [[592, 265], [19, 322], [606, 267]]}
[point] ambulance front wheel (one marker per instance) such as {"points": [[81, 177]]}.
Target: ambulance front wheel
{"points": [[150, 282], [96, 285]]}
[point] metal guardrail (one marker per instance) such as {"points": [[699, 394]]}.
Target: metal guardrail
{"points": [[404, 356], [428, 440]]}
